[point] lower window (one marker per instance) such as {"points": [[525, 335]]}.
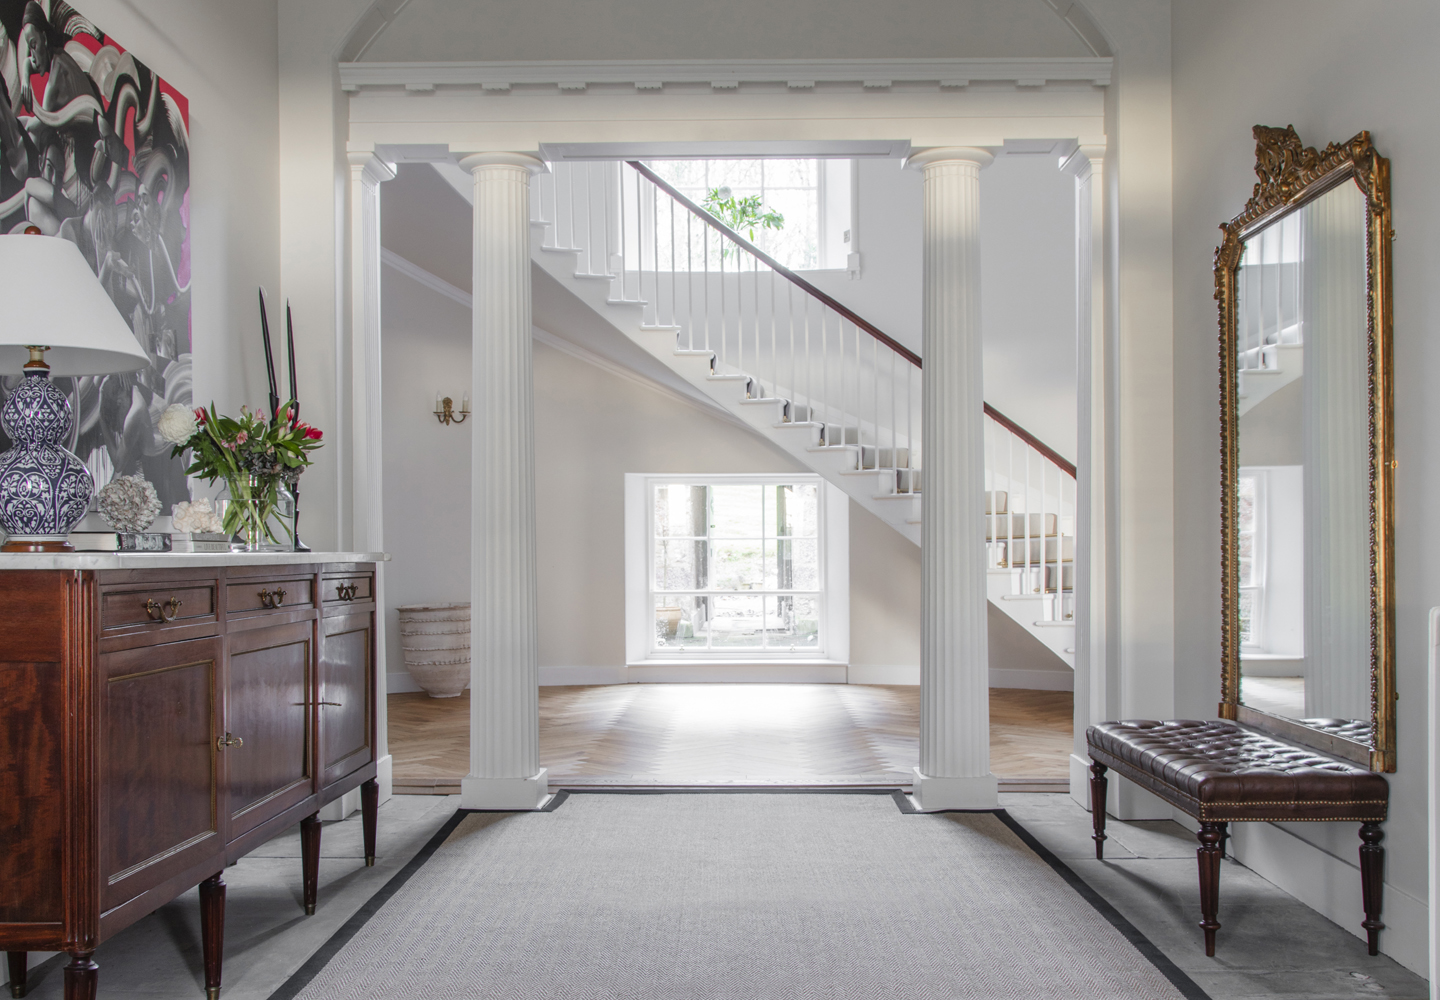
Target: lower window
{"points": [[735, 568]]}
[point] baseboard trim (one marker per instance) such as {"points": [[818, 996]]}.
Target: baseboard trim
{"points": [[765, 673], [1331, 886], [869, 673], [568, 676], [1033, 680], [400, 682]]}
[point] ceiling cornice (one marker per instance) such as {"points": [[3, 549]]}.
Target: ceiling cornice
{"points": [[727, 74]]}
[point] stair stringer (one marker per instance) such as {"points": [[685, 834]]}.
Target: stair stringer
{"points": [[838, 464], [730, 390]]}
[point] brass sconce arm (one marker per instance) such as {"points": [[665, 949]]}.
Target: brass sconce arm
{"points": [[446, 413]]}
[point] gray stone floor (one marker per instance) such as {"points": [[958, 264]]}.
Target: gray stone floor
{"points": [[1271, 946], [267, 935]]}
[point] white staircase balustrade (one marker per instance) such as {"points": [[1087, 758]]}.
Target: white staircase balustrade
{"points": [[800, 368]]}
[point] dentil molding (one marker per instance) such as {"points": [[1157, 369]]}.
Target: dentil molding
{"points": [[725, 74]]}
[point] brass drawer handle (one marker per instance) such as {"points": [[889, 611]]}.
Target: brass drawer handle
{"points": [[347, 592], [272, 598], [228, 740], [157, 611]]}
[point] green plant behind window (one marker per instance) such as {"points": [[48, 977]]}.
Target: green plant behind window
{"points": [[744, 215]]}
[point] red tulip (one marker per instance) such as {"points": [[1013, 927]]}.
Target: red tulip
{"points": [[200, 415], [314, 433]]}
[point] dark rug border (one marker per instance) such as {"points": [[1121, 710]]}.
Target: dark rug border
{"points": [[302, 976], [1178, 978]]}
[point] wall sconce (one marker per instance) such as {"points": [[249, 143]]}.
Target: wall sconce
{"points": [[445, 411]]}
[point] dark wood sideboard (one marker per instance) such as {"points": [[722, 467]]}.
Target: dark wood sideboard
{"points": [[159, 723]]}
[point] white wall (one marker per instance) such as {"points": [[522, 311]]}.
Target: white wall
{"points": [[223, 56], [426, 347], [1278, 62]]}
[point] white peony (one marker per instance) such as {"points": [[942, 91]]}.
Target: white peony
{"points": [[177, 424], [197, 517]]}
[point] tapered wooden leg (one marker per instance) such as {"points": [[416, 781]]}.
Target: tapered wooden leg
{"points": [[1372, 881], [369, 813], [212, 931], [82, 977], [19, 969], [310, 859], [1210, 835], [1098, 785]]}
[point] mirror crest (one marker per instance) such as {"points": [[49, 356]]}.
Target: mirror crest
{"points": [[1302, 283]]}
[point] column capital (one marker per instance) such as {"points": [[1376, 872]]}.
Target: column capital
{"points": [[939, 154], [368, 164], [474, 161], [1084, 161]]}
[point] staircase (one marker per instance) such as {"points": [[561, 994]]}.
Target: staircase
{"points": [[801, 369]]}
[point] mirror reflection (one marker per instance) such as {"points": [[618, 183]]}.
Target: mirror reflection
{"points": [[1303, 511]]}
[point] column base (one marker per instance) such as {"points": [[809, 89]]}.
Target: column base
{"points": [[519, 794], [938, 794]]}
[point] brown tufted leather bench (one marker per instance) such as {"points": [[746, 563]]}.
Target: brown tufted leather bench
{"points": [[1222, 773]]}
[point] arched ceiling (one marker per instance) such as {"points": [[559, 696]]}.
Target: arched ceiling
{"points": [[495, 30]]}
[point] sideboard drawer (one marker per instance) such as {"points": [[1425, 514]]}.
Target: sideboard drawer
{"points": [[351, 588], [259, 595], [184, 602]]}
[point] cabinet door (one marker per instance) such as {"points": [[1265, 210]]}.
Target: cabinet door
{"points": [[347, 685], [268, 709], [160, 807]]}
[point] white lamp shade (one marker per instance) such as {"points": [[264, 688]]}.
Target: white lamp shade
{"points": [[49, 297]]}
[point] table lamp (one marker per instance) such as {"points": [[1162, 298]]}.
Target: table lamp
{"points": [[56, 313]]}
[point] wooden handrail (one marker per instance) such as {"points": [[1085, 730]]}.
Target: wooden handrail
{"points": [[839, 307], [775, 265]]}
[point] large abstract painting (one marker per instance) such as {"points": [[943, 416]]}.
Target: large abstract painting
{"points": [[94, 148]]}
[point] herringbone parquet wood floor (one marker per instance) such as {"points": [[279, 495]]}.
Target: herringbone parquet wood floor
{"points": [[742, 734]]}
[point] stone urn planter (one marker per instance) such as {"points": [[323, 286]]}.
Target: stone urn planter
{"points": [[435, 639]]}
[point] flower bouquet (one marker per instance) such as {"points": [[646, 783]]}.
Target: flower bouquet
{"points": [[256, 457]]}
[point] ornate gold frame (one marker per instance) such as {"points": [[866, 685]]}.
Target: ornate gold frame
{"points": [[1291, 175]]}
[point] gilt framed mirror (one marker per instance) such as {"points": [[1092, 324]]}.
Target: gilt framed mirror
{"points": [[1302, 280]]}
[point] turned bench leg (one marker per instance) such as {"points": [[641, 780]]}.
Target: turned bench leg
{"points": [[19, 972], [1372, 881], [82, 976], [310, 860], [1097, 807], [212, 932], [1211, 836], [369, 816]]}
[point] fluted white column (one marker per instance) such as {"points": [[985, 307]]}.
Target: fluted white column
{"points": [[954, 771], [505, 771]]}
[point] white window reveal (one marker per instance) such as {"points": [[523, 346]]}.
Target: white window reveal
{"points": [[736, 569], [812, 196]]}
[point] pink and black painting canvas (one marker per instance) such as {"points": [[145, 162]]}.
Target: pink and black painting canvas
{"points": [[94, 148]]}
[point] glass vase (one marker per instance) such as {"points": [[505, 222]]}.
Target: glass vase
{"points": [[241, 507]]}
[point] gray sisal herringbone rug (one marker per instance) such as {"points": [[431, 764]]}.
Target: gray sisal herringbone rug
{"points": [[753, 896]]}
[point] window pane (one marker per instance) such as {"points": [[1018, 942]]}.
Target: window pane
{"points": [[680, 510], [792, 621], [680, 564], [736, 511], [680, 622], [738, 621], [790, 173], [737, 565], [804, 562], [791, 510]]}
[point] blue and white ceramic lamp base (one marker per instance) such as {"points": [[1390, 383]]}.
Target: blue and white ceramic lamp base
{"points": [[44, 488]]}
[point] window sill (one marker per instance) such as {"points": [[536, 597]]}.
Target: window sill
{"points": [[753, 661]]}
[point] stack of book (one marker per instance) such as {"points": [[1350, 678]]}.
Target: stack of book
{"points": [[200, 541], [120, 541]]}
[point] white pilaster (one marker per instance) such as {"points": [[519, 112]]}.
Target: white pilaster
{"points": [[505, 771], [954, 771], [366, 529], [1092, 542]]}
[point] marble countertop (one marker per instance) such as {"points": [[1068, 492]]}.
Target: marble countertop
{"points": [[167, 560]]}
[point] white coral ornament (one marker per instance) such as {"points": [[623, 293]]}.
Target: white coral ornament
{"points": [[197, 517], [129, 503], [177, 424]]}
